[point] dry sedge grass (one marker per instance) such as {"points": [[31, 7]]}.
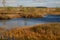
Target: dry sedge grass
{"points": [[50, 31], [18, 12], [27, 12]]}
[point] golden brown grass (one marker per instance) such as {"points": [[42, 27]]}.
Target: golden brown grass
{"points": [[50, 31], [29, 12]]}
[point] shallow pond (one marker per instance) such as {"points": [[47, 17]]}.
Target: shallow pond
{"points": [[17, 22]]}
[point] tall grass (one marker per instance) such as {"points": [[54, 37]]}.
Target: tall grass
{"points": [[50, 31]]}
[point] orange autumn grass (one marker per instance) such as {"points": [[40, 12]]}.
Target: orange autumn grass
{"points": [[48, 31]]}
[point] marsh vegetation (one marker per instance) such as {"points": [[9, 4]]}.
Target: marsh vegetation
{"points": [[48, 31]]}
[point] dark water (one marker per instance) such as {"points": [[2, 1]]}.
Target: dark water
{"points": [[29, 21]]}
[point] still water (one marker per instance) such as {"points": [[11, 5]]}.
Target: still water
{"points": [[17, 22]]}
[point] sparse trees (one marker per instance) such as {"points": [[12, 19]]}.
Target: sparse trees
{"points": [[3, 2]]}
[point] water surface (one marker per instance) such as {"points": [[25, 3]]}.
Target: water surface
{"points": [[17, 22]]}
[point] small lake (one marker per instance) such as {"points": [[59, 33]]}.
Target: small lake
{"points": [[17, 22]]}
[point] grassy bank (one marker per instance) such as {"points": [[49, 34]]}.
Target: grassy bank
{"points": [[27, 12], [50, 31]]}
